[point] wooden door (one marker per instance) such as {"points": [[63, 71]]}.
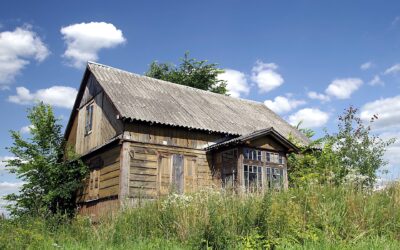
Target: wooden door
{"points": [[190, 174], [164, 174], [177, 173]]}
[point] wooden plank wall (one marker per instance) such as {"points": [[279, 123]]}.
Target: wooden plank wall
{"points": [[102, 131], [171, 136], [267, 143], [109, 176], [99, 208], [105, 123], [149, 178]]}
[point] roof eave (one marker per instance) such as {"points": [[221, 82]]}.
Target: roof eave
{"points": [[77, 102], [240, 141]]}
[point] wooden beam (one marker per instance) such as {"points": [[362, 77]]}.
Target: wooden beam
{"points": [[124, 172], [240, 184]]}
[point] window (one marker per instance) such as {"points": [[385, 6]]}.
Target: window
{"points": [[247, 153], [268, 157], [252, 154], [272, 157], [252, 177], [259, 155], [89, 119], [281, 161], [275, 177]]}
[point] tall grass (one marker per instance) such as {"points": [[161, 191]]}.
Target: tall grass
{"points": [[317, 217]]}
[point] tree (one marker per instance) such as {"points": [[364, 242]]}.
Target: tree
{"points": [[191, 72], [308, 166], [50, 181], [360, 154], [352, 154]]}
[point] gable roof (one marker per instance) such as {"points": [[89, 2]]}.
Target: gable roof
{"points": [[141, 98], [255, 135]]}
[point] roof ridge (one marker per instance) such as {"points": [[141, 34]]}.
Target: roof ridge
{"points": [[179, 85]]}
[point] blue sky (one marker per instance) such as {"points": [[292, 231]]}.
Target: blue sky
{"points": [[304, 59]]}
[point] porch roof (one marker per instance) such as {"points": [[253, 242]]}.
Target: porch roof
{"points": [[255, 135]]}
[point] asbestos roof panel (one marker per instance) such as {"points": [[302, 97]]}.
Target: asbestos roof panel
{"points": [[143, 98]]}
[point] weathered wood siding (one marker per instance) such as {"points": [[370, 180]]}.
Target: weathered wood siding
{"points": [[105, 125], [108, 165], [102, 130], [99, 208], [152, 175], [171, 136], [71, 140], [267, 143], [153, 150]]}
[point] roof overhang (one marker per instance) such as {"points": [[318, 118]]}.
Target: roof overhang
{"points": [[245, 139], [77, 102]]}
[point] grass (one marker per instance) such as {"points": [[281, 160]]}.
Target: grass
{"points": [[318, 217]]}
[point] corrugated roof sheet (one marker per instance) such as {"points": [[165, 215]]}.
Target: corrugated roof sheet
{"points": [[143, 98], [252, 136]]}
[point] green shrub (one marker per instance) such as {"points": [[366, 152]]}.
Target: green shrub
{"points": [[311, 217]]}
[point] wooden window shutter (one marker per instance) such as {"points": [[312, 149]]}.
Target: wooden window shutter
{"points": [[190, 174], [94, 181], [164, 174]]}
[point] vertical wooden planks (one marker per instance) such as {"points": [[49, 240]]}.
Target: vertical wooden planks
{"points": [[124, 172], [164, 174], [177, 173], [190, 174]]}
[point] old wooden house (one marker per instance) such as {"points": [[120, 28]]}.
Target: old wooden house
{"points": [[144, 138]]}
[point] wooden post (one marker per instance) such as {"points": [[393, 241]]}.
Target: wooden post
{"points": [[124, 173], [240, 184]]}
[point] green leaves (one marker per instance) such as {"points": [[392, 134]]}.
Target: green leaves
{"points": [[352, 155], [191, 72], [50, 183]]}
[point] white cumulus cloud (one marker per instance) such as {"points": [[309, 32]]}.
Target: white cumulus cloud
{"points": [[8, 188], [10, 185], [310, 118], [318, 96], [393, 70], [376, 80], [85, 40], [387, 110], [266, 77], [282, 104], [26, 129], [3, 160], [343, 88], [366, 65], [236, 82], [387, 126], [17, 49], [58, 96]]}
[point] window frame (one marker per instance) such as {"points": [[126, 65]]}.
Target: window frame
{"points": [[268, 156], [281, 159], [249, 169], [89, 118]]}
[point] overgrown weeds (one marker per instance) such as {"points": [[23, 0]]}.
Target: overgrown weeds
{"points": [[314, 217]]}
